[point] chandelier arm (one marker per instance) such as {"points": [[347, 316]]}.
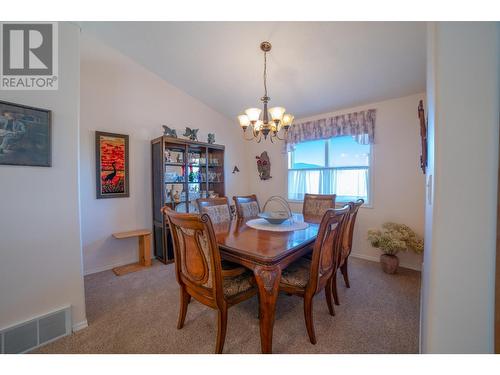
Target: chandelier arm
{"points": [[248, 139], [255, 133], [281, 139]]}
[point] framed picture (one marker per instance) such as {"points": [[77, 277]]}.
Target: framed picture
{"points": [[423, 136], [112, 179], [25, 135]]}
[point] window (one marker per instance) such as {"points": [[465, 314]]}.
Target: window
{"points": [[337, 165]]}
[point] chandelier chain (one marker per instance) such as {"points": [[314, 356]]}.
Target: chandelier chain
{"points": [[265, 74]]}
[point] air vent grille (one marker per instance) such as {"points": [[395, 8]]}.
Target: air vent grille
{"points": [[36, 332]]}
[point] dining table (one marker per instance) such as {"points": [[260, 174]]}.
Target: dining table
{"points": [[267, 254]]}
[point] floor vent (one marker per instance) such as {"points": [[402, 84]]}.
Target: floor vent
{"points": [[39, 331]]}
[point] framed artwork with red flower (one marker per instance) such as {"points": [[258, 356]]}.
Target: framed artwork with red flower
{"points": [[112, 165]]}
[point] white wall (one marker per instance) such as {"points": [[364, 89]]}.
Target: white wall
{"points": [[40, 247], [118, 95], [458, 277], [398, 182]]}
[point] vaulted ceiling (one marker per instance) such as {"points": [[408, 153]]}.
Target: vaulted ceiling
{"points": [[314, 67]]}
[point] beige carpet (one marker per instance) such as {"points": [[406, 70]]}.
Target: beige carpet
{"points": [[137, 313]]}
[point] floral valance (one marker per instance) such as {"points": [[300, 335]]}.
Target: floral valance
{"points": [[360, 125]]}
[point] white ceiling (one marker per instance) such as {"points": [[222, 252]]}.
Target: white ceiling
{"points": [[314, 67]]}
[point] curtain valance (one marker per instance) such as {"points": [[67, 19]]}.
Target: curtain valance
{"points": [[360, 125]]}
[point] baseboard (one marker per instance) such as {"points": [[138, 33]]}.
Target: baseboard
{"points": [[376, 259], [79, 326]]}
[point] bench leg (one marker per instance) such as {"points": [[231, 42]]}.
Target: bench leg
{"points": [[145, 250]]}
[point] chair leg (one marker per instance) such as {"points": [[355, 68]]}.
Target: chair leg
{"points": [[185, 299], [308, 315], [343, 269], [221, 329], [334, 289], [328, 294]]}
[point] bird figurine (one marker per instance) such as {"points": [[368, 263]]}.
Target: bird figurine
{"points": [[169, 132], [192, 134], [211, 138]]}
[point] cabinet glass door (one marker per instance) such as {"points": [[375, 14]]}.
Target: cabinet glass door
{"points": [[196, 175], [215, 173], [175, 177]]}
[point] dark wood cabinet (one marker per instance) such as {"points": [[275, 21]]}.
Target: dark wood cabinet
{"points": [[182, 171]]}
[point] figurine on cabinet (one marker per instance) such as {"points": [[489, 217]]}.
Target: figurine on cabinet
{"points": [[211, 138], [169, 132], [177, 197], [192, 134]]}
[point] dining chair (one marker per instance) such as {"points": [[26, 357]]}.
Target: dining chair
{"points": [[199, 271], [315, 206], [306, 278], [217, 208], [219, 211], [313, 209], [346, 246], [246, 206]]}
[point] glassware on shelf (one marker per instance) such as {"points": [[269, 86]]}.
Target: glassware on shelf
{"points": [[173, 156], [191, 176]]}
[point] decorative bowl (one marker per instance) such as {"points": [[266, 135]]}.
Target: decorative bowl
{"points": [[276, 217]]}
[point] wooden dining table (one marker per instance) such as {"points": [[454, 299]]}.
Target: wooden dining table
{"points": [[267, 254]]}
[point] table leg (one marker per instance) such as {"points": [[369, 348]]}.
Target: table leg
{"points": [[268, 282]]}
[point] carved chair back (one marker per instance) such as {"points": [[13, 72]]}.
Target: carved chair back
{"points": [[196, 254], [346, 247], [315, 206], [217, 208], [246, 206], [325, 256]]}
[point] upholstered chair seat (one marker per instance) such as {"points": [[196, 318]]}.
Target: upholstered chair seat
{"points": [[297, 274], [235, 285]]}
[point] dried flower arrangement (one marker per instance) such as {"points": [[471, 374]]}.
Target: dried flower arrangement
{"points": [[392, 239]]}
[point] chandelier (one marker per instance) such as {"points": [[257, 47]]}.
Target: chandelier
{"points": [[262, 125]]}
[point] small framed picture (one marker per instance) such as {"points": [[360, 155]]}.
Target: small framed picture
{"points": [[25, 135], [112, 166]]}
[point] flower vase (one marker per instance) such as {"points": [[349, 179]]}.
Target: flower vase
{"points": [[389, 263]]}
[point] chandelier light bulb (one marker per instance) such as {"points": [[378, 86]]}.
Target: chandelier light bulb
{"points": [[253, 114], [244, 121], [287, 120], [277, 113]]}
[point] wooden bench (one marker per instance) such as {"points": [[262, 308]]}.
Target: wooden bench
{"points": [[144, 236]]}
